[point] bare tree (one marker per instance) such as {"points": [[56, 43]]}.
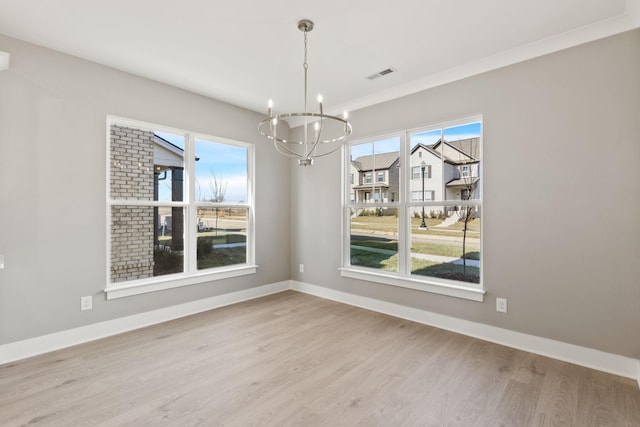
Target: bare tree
{"points": [[217, 194], [218, 191], [468, 162]]}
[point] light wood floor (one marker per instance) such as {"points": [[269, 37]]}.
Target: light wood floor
{"points": [[294, 359]]}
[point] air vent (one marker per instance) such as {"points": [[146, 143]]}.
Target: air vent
{"points": [[381, 73]]}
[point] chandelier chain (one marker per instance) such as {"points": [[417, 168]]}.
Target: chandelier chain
{"points": [[305, 65]]}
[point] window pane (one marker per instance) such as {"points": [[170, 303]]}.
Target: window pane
{"points": [[131, 163], [222, 237], [143, 243], [449, 246], [369, 161], [221, 172], [462, 152], [374, 238], [168, 166]]}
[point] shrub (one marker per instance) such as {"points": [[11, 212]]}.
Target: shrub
{"points": [[166, 261], [205, 247]]}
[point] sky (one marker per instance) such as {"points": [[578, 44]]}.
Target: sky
{"points": [[226, 162], [429, 137]]}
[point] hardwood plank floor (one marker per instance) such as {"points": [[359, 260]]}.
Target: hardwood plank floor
{"points": [[296, 360]]}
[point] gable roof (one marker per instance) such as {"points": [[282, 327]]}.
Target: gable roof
{"points": [[458, 152], [377, 161]]}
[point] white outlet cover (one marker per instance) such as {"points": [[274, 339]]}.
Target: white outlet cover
{"points": [[86, 303], [501, 305]]}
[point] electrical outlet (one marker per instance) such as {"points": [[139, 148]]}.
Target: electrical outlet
{"points": [[301, 268], [86, 303], [501, 305]]}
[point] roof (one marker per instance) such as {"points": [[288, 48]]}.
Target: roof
{"points": [[463, 182], [377, 161], [370, 186], [458, 152]]}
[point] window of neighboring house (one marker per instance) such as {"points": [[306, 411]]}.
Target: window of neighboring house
{"points": [[351, 179], [416, 196], [368, 178], [380, 177], [428, 239], [416, 172], [179, 208]]}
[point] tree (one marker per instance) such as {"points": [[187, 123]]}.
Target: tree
{"points": [[218, 191], [217, 194], [468, 162]]}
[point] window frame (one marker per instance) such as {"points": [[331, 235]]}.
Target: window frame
{"points": [[190, 275], [403, 277]]}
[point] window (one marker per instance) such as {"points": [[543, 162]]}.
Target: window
{"points": [[417, 196], [380, 177], [180, 208], [429, 237], [368, 178], [416, 171]]}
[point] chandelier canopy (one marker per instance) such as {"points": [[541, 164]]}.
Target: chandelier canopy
{"points": [[323, 134]]}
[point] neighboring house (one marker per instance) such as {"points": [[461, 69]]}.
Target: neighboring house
{"points": [[374, 179], [451, 172]]}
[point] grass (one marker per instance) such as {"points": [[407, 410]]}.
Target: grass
{"points": [[419, 267], [390, 224], [473, 252]]}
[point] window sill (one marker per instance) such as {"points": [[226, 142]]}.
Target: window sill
{"points": [[452, 290], [115, 290]]}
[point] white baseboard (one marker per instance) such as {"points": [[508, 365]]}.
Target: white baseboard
{"points": [[46, 343], [583, 356]]}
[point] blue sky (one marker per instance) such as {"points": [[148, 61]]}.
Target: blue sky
{"points": [[393, 144], [228, 163]]}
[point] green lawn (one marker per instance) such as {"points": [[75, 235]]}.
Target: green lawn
{"points": [[390, 224], [420, 267], [441, 249]]}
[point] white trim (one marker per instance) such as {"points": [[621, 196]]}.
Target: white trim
{"points": [[4, 61], [583, 356], [160, 283], [452, 290], [626, 21], [58, 340]]}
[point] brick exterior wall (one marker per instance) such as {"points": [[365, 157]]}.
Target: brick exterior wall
{"points": [[131, 178]]}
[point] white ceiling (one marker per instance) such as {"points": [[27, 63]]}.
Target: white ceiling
{"points": [[247, 51]]}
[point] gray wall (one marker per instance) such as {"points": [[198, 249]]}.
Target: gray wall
{"points": [[561, 196], [53, 110]]}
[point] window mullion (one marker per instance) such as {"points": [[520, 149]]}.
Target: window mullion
{"points": [[191, 226], [403, 218]]}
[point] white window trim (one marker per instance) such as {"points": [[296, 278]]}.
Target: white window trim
{"points": [[403, 278], [191, 276]]}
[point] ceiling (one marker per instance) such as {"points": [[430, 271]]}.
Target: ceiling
{"points": [[246, 51]]}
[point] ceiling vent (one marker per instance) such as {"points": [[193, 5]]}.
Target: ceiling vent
{"points": [[381, 73]]}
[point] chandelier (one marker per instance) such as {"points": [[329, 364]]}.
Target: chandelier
{"points": [[323, 134]]}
